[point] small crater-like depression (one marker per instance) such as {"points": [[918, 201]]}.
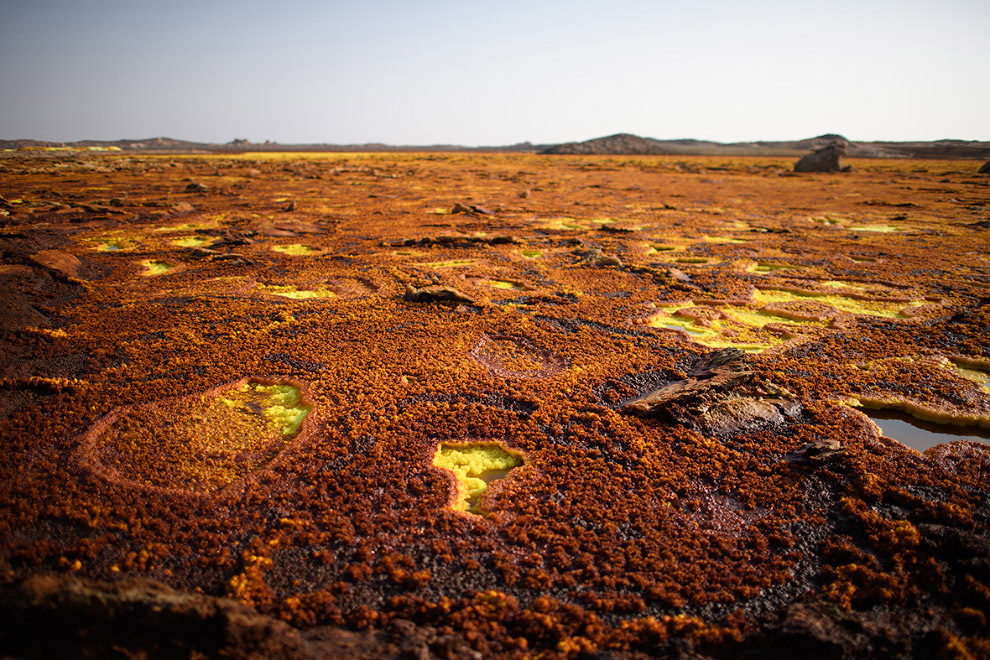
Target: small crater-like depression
{"points": [[515, 357], [475, 466], [199, 443]]}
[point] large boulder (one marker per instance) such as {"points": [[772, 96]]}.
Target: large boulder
{"points": [[826, 159], [986, 168]]}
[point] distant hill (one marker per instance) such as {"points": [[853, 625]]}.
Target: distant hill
{"points": [[619, 144], [626, 144]]}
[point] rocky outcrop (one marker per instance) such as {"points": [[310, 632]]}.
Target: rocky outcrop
{"points": [[437, 294], [721, 396], [986, 168], [826, 159]]}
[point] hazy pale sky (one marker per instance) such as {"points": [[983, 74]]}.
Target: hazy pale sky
{"points": [[494, 73]]}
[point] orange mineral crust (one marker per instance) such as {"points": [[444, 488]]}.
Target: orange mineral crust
{"points": [[493, 405]]}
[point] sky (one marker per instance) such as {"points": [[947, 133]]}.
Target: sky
{"points": [[493, 73]]}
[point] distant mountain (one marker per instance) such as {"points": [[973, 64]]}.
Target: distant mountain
{"points": [[619, 144]]}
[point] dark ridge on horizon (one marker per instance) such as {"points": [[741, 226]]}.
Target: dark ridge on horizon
{"points": [[618, 144]]}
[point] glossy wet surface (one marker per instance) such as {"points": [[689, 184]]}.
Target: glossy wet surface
{"points": [[922, 435]]}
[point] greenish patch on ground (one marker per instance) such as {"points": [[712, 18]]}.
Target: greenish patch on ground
{"points": [[475, 466], [762, 317], [295, 249], [766, 267], [880, 229], [153, 267], [724, 240], [972, 373], [295, 293], [114, 245], [191, 241], [562, 224], [879, 308], [506, 284], [453, 263], [531, 254], [189, 226], [278, 404]]}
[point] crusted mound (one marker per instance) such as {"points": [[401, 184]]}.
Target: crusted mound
{"points": [[492, 406]]}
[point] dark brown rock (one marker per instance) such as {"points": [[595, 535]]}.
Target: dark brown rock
{"points": [[594, 257], [181, 208], [986, 168], [59, 261], [721, 395], [195, 187], [827, 159], [436, 294], [816, 451]]}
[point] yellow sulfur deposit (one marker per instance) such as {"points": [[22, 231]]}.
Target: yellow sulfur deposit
{"points": [[280, 404], [475, 466]]}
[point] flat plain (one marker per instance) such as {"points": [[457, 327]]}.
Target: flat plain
{"points": [[498, 404]]}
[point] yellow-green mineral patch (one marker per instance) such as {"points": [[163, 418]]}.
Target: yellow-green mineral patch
{"points": [[295, 293], [453, 263], [506, 284], [880, 229], [114, 245], [280, 405], [762, 317], [295, 250], [475, 466], [724, 240], [881, 308], [153, 267], [191, 241], [767, 267], [531, 254], [972, 373]]}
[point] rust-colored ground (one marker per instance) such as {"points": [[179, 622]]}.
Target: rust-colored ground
{"points": [[135, 299]]}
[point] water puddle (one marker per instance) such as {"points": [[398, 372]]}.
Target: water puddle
{"points": [[475, 466], [921, 435], [115, 245]]}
